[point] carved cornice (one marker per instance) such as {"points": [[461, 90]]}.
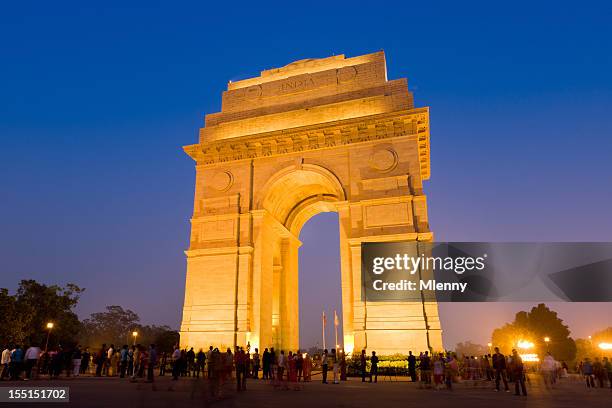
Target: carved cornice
{"points": [[414, 122]]}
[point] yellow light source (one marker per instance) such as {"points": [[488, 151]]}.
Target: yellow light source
{"points": [[134, 333], [547, 339], [524, 344], [605, 346], [49, 325], [489, 344]]}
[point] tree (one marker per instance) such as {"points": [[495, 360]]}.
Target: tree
{"points": [[114, 326], [12, 328], [467, 348], [37, 304], [590, 347], [535, 326]]}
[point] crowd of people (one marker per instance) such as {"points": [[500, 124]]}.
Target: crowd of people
{"points": [[287, 370]]}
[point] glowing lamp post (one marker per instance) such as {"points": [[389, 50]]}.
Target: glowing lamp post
{"points": [[546, 340], [49, 327], [134, 334], [490, 346]]}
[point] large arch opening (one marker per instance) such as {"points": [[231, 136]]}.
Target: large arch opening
{"points": [[320, 288], [306, 279]]}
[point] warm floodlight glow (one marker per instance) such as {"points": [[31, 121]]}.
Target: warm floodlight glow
{"points": [[135, 333], [546, 339], [524, 344], [530, 357], [49, 325], [489, 344], [605, 346]]}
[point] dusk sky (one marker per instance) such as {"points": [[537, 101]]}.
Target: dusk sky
{"points": [[97, 101]]}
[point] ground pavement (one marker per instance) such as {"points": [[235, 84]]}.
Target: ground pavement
{"points": [[187, 392]]}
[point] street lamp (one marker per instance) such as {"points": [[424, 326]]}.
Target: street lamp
{"points": [[49, 327], [135, 334], [490, 345], [546, 340]]}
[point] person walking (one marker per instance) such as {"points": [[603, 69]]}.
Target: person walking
{"points": [[608, 368], [411, 367], [85, 357], [151, 363], [518, 373], [334, 360], [499, 366], [307, 368], [16, 364], [77, 356], [5, 361], [324, 365], [282, 365], [200, 362], [587, 372], [548, 370], [32, 355], [256, 363], [374, 367], [265, 363], [100, 360], [124, 357], [273, 363], [176, 363], [425, 368], [107, 369], [299, 366], [363, 365]]}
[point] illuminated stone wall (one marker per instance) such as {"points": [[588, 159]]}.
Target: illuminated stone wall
{"points": [[331, 134]]}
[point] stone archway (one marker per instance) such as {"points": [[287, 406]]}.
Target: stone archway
{"points": [[317, 135]]}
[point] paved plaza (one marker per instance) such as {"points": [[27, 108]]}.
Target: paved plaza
{"points": [[187, 392]]}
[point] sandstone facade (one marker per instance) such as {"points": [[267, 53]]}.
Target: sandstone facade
{"points": [[331, 134]]}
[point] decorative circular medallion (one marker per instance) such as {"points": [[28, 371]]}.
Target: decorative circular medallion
{"points": [[346, 74], [383, 160], [253, 92], [222, 180]]}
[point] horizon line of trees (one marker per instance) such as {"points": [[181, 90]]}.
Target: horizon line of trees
{"points": [[24, 317]]}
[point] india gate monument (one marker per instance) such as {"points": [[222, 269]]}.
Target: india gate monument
{"points": [[330, 134]]}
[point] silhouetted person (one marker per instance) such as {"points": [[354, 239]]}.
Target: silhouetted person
{"points": [[518, 372], [100, 360], [374, 367], [499, 366], [412, 366]]}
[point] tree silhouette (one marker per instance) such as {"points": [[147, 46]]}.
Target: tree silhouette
{"points": [[534, 326]]}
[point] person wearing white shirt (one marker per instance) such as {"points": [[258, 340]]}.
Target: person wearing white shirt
{"points": [[324, 365], [6, 359], [32, 355], [548, 369]]}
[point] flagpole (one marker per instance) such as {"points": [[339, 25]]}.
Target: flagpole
{"points": [[323, 325], [336, 328]]}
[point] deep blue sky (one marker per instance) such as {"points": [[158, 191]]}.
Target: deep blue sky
{"points": [[96, 102]]}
